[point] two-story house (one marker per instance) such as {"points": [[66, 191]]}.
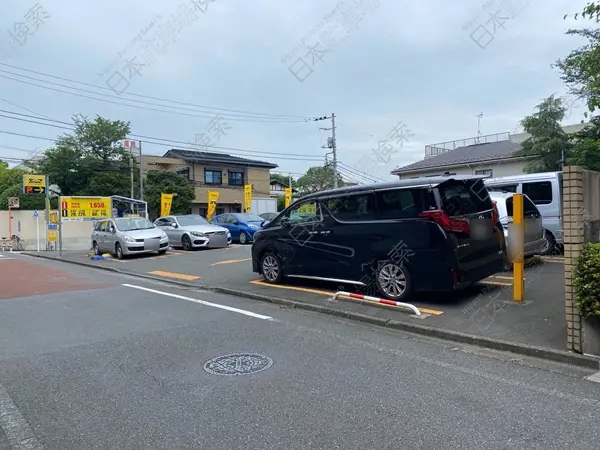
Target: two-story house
{"points": [[219, 172]]}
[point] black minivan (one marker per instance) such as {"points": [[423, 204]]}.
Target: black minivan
{"points": [[424, 234]]}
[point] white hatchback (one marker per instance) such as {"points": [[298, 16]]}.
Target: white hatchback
{"points": [[534, 230]]}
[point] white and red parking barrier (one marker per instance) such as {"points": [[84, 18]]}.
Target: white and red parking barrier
{"points": [[382, 301]]}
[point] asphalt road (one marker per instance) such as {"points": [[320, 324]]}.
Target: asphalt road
{"points": [[121, 364], [486, 310]]}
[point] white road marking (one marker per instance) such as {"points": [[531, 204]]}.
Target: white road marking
{"points": [[201, 302], [594, 377], [15, 427]]}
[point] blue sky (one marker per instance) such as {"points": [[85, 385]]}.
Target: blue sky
{"points": [[377, 64]]}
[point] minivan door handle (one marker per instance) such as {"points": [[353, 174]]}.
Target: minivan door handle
{"points": [[325, 232]]}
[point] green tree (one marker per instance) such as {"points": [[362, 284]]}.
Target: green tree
{"points": [[9, 177], [162, 182], [317, 179], [586, 146], [580, 70], [548, 143], [93, 148], [26, 201], [283, 179]]}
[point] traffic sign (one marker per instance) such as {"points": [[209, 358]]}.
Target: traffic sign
{"points": [[35, 213]]}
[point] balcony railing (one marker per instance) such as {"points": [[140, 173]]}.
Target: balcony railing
{"points": [[443, 147]]}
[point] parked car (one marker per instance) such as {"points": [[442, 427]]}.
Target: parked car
{"points": [[191, 231], [427, 234], [128, 236], [241, 225], [532, 218], [545, 191]]}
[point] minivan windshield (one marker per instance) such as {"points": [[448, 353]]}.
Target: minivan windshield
{"points": [[133, 224], [190, 221]]}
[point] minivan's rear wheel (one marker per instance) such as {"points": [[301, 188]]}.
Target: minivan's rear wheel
{"points": [[271, 269], [549, 243], [393, 281]]}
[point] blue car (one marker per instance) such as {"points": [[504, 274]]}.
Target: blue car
{"points": [[241, 225]]}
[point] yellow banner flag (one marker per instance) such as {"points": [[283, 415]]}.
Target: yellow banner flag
{"points": [[247, 198], [166, 201], [288, 197], [213, 199]]}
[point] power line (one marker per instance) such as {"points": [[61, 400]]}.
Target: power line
{"points": [[253, 116], [371, 178], [148, 139]]}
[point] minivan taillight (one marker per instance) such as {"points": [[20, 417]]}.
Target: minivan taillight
{"points": [[445, 221], [495, 214]]}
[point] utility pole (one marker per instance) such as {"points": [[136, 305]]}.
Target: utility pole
{"points": [[332, 145], [141, 175]]}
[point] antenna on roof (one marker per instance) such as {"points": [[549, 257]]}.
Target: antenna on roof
{"points": [[479, 116]]}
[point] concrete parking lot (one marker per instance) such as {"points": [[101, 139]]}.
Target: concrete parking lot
{"points": [[486, 309]]}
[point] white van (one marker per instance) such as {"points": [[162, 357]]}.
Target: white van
{"points": [[545, 190]]}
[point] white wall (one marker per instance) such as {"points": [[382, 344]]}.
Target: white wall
{"points": [[499, 169], [76, 235]]}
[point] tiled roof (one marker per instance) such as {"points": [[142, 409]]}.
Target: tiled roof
{"points": [[464, 155], [216, 158]]}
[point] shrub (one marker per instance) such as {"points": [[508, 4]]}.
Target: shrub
{"points": [[587, 281]]}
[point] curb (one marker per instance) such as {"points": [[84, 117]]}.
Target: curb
{"points": [[560, 356]]}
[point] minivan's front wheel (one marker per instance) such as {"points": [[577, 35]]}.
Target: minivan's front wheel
{"points": [[393, 281], [271, 269]]}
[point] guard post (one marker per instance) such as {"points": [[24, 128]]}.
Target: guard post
{"points": [[517, 242]]}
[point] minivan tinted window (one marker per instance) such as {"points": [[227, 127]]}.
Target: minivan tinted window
{"points": [[403, 203], [540, 192], [503, 188], [352, 207], [460, 197]]}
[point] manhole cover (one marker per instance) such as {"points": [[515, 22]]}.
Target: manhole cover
{"points": [[238, 364]]}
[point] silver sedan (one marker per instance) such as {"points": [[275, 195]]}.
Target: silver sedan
{"points": [[192, 231]]}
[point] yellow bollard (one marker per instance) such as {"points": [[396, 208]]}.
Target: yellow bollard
{"points": [[519, 262]]}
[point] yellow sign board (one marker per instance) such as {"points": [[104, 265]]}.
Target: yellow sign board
{"points": [[213, 199], [166, 202], [247, 198], [34, 184], [84, 208], [52, 235], [288, 197]]}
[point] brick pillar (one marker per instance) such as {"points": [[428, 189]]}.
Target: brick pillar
{"points": [[573, 215]]}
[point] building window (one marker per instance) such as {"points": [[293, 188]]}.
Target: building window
{"points": [[184, 172], [213, 176], [220, 211], [486, 172], [236, 178], [203, 212]]}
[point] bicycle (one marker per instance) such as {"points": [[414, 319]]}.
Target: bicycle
{"points": [[17, 243]]}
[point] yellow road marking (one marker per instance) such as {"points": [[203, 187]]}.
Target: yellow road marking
{"points": [[231, 261], [495, 283], [292, 288], [179, 276], [433, 312]]}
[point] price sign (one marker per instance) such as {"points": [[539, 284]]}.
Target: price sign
{"points": [[85, 208]]}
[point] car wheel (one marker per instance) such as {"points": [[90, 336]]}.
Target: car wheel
{"points": [[186, 242], [96, 248], [393, 281], [271, 268], [549, 244], [119, 251], [162, 252], [243, 238]]}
